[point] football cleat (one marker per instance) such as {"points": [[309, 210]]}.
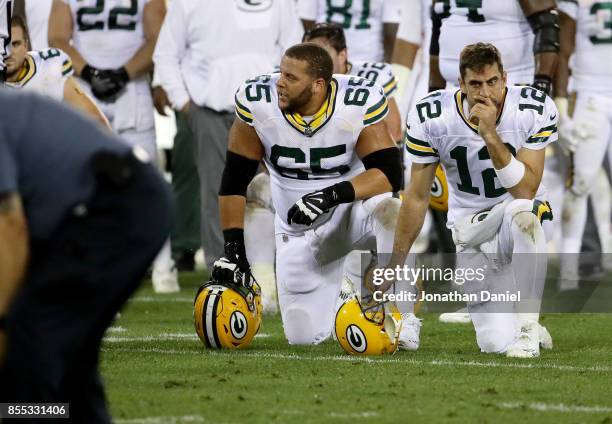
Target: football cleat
{"points": [[227, 315], [462, 316], [367, 331], [546, 341], [165, 281], [409, 335], [528, 343]]}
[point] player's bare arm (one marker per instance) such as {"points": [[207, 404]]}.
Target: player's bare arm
{"points": [[544, 20], [374, 141], [60, 34], [389, 33], [436, 81], [244, 148], [415, 201], [393, 121], [142, 61], [567, 36], [75, 96]]}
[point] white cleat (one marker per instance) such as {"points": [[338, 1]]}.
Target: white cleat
{"points": [[546, 341], [165, 281], [528, 343], [462, 316], [409, 335]]}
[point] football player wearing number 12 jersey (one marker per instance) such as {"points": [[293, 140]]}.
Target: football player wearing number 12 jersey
{"points": [[490, 140]]}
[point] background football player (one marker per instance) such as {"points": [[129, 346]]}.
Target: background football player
{"points": [[111, 47], [500, 177], [313, 131], [585, 30], [370, 25], [48, 72]]}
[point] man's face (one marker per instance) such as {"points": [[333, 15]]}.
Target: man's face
{"points": [[19, 49], [295, 86], [489, 82], [339, 58]]}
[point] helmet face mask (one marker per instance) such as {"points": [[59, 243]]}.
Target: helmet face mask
{"points": [[227, 315], [372, 330]]}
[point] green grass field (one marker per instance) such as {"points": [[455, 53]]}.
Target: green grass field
{"points": [[157, 371]]}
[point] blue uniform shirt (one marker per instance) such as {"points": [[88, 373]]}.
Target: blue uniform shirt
{"points": [[45, 153]]}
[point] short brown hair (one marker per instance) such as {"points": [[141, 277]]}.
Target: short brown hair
{"points": [[20, 21], [320, 64], [477, 56], [332, 32]]}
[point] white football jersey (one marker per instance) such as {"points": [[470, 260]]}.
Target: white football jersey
{"points": [[438, 131], [45, 72], [304, 157], [362, 21], [107, 33], [592, 61], [37, 14], [501, 23], [5, 26], [378, 72]]}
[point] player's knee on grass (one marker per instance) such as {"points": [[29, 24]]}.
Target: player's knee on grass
{"points": [[298, 326]]}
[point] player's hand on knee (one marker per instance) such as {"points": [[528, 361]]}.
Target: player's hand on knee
{"points": [[309, 208]]}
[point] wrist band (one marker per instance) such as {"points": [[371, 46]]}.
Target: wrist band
{"points": [[511, 174]]}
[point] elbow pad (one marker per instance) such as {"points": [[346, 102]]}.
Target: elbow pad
{"points": [[545, 26], [389, 162], [237, 174]]}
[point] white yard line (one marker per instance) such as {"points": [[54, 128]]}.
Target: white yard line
{"points": [[161, 298], [163, 420], [117, 329], [347, 358], [161, 337], [560, 407]]}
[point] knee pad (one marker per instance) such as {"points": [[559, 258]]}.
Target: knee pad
{"points": [[582, 183], [386, 212], [298, 326], [258, 191], [524, 216]]}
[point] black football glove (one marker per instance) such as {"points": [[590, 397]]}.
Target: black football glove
{"points": [[543, 83], [234, 266], [106, 84], [311, 206]]}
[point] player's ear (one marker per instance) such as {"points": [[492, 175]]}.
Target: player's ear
{"points": [[462, 85], [343, 55], [505, 77]]}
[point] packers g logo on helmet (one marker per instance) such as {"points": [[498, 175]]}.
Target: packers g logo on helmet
{"points": [[367, 332], [438, 199], [226, 315]]}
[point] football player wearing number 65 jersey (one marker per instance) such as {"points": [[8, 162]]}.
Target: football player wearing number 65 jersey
{"points": [[490, 140], [313, 130]]}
